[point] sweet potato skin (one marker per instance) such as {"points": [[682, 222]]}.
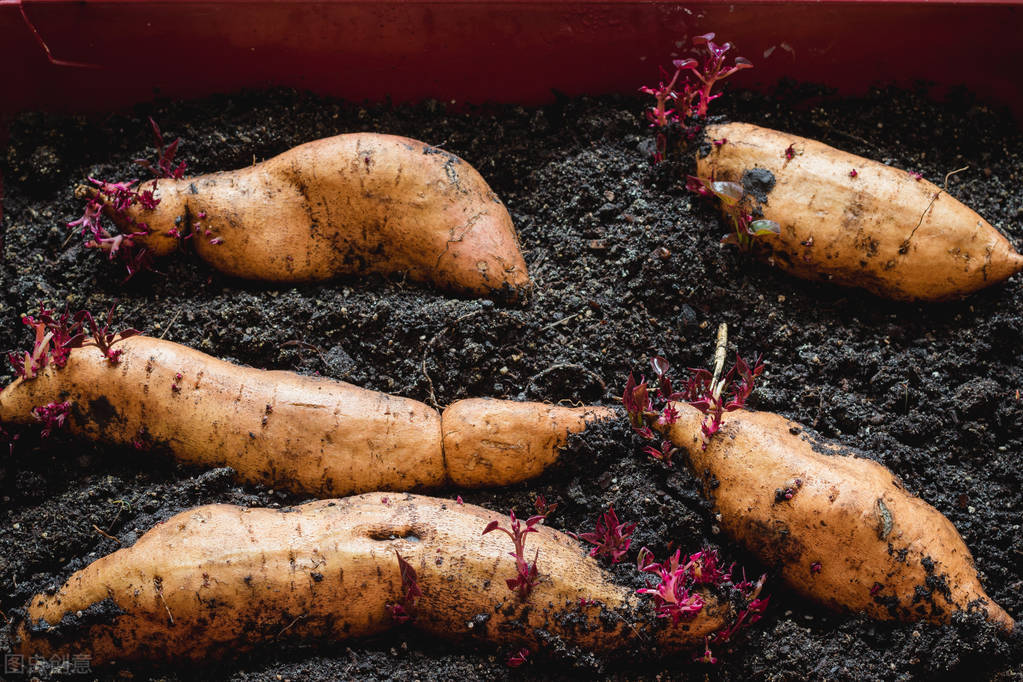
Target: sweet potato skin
{"points": [[279, 428], [218, 580], [347, 205], [851, 537], [501, 440], [882, 230]]}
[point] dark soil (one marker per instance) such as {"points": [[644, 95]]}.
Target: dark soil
{"points": [[626, 264]]}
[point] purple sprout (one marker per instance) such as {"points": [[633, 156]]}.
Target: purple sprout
{"points": [[518, 658], [55, 336], [404, 609], [706, 568], [164, 166], [52, 415], [648, 409], [54, 339], [672, 596], [707, 657], [682, 100], [754, 611], [9, 438], [103, 337], [543, 507], [527, 575], [115, 199], [610, 537], [788, 492]]}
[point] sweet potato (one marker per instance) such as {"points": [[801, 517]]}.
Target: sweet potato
{"points": [[290, 431], [856, 222], [219, 579], [839, 528], [350, 204]]}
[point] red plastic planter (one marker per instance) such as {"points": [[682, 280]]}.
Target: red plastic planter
{"points": [[82, 55], [110, 53]]}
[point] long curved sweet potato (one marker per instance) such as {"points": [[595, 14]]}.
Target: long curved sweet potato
{"points": [[218, 580], [350, 204], [840, 529], [290, 431], [857, 222]]}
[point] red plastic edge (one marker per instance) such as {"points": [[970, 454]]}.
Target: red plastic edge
{"points": [[505, 50]]}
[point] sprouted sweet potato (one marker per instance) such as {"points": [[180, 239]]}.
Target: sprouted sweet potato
{"points": [[350, 204], [817, 212], [283, 429], [853, 221], [219, 580], [839, 528]]}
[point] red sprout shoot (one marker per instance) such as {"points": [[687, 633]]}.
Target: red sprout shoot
{"points": [[706, 568], [684, 101], [741, 380], [527, 575], [117, 198], [672, 596], [102, 337], [518, 658], [662, 454], [404, 609], [610, 537], [753, 612], [712, 69], [707, 656], [52, 416], [164, 166], [9, 438], [544, 508], [56, 335], [640, 402]]}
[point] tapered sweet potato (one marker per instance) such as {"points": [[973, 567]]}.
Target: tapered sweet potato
{"points": [[218, 580], [290, 431], [856, 222], [840, 529], [502, 440], [350, 204]]}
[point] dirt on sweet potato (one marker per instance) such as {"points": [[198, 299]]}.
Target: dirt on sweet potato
{"points": [[626, 263]]}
